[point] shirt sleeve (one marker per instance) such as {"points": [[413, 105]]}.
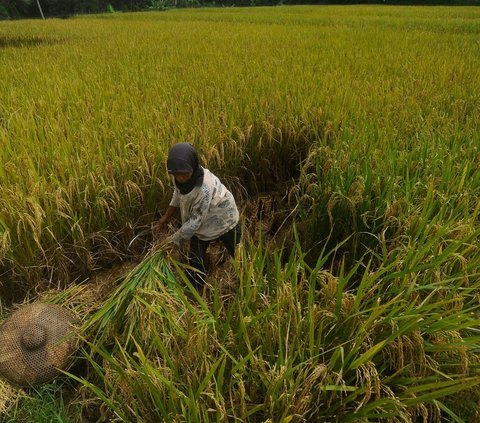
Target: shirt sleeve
{"points": [[199, 212], [175, 201]]}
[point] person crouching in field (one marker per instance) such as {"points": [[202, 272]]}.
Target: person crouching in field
{"points": [[207, 209]]}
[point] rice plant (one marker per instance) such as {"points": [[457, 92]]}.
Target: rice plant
{"points": [[84, 129], [294, 343]]}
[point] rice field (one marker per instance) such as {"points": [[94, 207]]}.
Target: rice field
{"points": [[364, 306]]}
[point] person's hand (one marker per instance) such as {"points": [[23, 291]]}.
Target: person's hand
{"points": [[179, 242], [158, 228]]}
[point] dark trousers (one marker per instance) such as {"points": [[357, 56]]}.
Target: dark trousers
{"points": [[198, 249]]}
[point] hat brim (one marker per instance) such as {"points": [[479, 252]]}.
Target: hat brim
{"points": [[24, 367]]}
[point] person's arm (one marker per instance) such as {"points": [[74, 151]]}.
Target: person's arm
{"points": [[199, 212], [164, 219], [167, 216]]}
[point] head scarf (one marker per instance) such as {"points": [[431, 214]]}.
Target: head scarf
{"points": [[183, 158]]}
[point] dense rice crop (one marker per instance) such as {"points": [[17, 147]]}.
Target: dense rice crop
{"points": [[89, 106], [373, 111]]}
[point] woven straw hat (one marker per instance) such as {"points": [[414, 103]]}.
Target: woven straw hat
{"points": [[35, 342]]}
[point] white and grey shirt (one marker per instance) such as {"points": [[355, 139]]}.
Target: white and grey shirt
{"points": [[207, 211]]}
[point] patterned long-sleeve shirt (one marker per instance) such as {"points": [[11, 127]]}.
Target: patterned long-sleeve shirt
{"points": [[208, 211]]}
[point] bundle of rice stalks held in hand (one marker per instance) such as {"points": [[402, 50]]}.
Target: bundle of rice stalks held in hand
{"points": [[128, 311]]}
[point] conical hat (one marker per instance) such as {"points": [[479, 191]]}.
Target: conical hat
{"points": [[36, 341]]}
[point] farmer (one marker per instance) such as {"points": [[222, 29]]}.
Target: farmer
{"points": [[208, 210]]}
